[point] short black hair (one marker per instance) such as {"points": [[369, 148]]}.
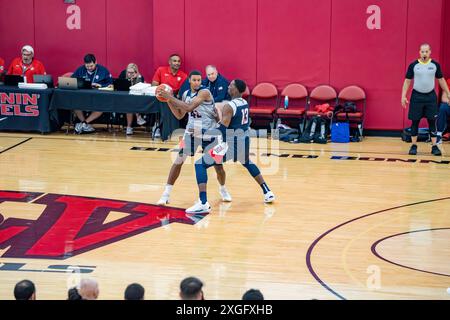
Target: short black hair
{"points": [[195, 73], [73, 294], [174, 55], [24, 290], [253, 294], [240, 85], [134, 291], [190, 288], [89, 58]]}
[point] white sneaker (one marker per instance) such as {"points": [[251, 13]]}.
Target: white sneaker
{"points": [[140, 121], [87, 128], [129, 131], [79, 127], [157, 133], [198, 207], [269, 197], [164, 200], [226, 196]]}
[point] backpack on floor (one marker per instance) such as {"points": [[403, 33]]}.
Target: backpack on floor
{"points": [[315, 131]]}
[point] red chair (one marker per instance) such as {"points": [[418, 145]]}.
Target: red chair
{"points": [[298, 100], [320, 95], [263, 101], [358, 96], [67, 74]]}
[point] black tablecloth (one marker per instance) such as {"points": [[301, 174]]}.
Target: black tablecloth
{"points": [[26, 110], [114, 101]]}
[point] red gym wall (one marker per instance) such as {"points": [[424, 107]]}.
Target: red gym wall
{"points": [[116, 31], [311, 42]]}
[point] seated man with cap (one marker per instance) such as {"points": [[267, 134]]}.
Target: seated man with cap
{"points": [[26, 66]]}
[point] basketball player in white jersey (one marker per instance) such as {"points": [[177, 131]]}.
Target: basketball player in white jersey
{"points": [[199, 103]]}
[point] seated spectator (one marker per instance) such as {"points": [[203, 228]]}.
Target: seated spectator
{"points": [[99, 77], [25, 290], [134, 292], [132, 73], [217, 84], [191, 289], [73, 294], [88, 289], [26, 66], [170, 75], [442, 119], [253, 294]]}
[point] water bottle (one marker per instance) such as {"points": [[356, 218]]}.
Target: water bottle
{"points": [[286, 102]]}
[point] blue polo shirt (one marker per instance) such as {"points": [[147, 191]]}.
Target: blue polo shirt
{"points": [[101, 75]]}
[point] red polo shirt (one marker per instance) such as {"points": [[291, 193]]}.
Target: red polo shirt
{"points": [[18, 68], [163, 75]]}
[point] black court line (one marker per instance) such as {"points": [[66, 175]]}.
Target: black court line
{"points": [[323, 235], [281, 149], [375, 252], [16, 145]]}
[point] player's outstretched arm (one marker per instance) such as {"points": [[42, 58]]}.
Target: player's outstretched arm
{"points": [[188, 107], [178, 113]]}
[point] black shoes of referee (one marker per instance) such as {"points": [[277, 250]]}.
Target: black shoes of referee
{"points": [[434, 150], [413, 150]]}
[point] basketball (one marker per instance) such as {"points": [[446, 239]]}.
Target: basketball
{"points": [[161, 87]]}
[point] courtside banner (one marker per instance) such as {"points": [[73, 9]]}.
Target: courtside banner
{"points": [[25, 110]]}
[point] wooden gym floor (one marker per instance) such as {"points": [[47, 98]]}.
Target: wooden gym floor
{"points": [[351, 221]]}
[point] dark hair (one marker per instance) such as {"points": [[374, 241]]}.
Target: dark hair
{"points": [[190, 288], [89, 58], [195, 73], [24, 290], [253, 294], [174, 55], [240, 85], [73, 294], [134, 291]]}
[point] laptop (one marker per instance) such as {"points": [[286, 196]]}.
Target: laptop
{"points": [[44, 78], [73, 83], [84, 84], [68, 83], [121, 84], [12, 80]]}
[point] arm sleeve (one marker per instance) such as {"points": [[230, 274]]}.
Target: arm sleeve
{"points": [[439, 74], [107, 78], [410, 72], [157, 76], [42, 69], [222, 94]]}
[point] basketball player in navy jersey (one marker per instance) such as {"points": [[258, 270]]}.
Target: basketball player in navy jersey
{"points": [[234, 130], [199, 103]]}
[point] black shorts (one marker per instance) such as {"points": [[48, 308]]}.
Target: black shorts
{"points": [[191, 145], [423, 105]]}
